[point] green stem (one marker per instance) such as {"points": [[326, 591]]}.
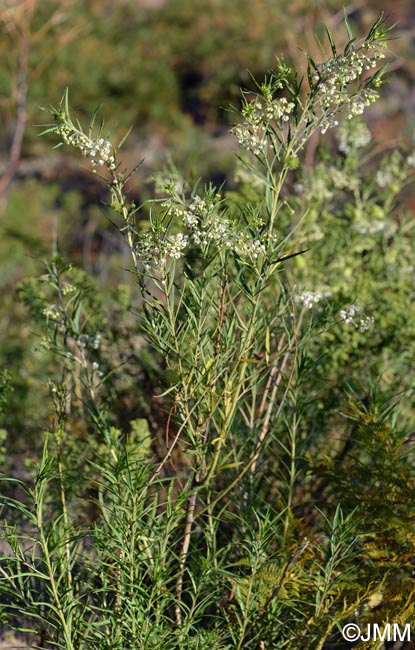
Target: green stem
{"points": [[51, 573], [234, 389]]}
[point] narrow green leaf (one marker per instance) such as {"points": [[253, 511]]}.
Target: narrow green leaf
{"points": [[347, 25], [331, 41]]}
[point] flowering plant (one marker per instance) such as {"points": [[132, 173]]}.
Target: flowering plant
{"points": [[215, 542]]}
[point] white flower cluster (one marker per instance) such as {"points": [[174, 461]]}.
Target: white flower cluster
{"points": [[384, 178], [256, 112], [310, 298], [176, 245], [333, 78], [98, 150], [371, 229], [199, 210], [253, 248], [205, 226], [152, 249], [352, 315], [52, 311], [89, 342], [315, 186], [393, 172], [251, 134], [337, 73], [356, 106], [217, 231], [222, 233], [66, 288], [328, 122], [361, 100], [279, 109], [192, 215], [96, 371], [201, 219], [340, 179], [411, 160], [353, 134], [251, 137], [323, 181]]}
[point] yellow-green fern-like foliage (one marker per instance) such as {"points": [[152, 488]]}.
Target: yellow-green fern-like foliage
{"points": [[372, 473]]}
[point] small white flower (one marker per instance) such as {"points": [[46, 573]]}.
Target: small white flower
{"points": [[98, 150], [383, 178], [177, 244], [353, 135], [310, 298], [327, 123], [96, 341], [52, 311], [189, 219], [67, 288], [352, 315], [371, 229]]}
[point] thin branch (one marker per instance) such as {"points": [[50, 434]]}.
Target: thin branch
{"points": [[190, 516], [21, 119], [259, 446], [275, 378], [274, 593]]}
